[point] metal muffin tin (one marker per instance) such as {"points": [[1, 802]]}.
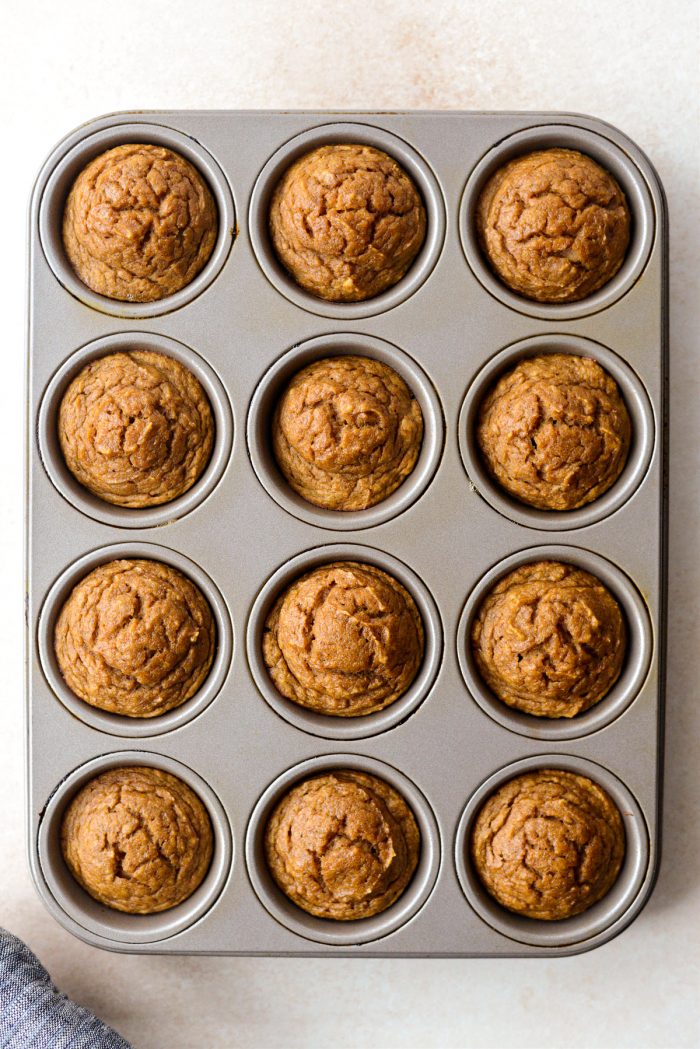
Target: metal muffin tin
{"points": [[449, 327]]}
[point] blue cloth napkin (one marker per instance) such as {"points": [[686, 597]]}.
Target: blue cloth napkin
{"points": [[35, 1015]]}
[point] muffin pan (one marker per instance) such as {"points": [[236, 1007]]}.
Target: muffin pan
{"points": [[449, 328]]}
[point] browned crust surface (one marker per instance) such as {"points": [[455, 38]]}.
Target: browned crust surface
{"points": [[136, 428], [344, 639], [135, 638], [139, 223], [137, 839], [342, 845], [347, 432], [548, 844], [554, 225], [347, 222], [554, 431], [549, 639]]}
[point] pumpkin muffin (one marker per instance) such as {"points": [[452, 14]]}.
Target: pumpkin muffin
{"points": [[135, 638], [554, 431], [548, 844], [345, 639], [136, 429], [549, 639], [347, 432], [139, 223], [343, 845], [138, 840], [346, 221], [554, 225]]}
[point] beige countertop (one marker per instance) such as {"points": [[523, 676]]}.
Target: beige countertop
{"points": [[633, 63]]}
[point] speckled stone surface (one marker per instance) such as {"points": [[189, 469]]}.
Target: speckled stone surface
{"points": [[631, 63]]}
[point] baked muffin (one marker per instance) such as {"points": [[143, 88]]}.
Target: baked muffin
{"points": [[135, 638], [346, 221], [343, 845], [136, 428], [137, 839], [344, 639], [548, 844], [549, 639], [139, 223], [554, 431], [554, 225], [347, 432]]}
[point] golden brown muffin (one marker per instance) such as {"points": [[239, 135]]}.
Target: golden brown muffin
{"points": [[135, 638], [554, 225], [136, 428], [347, 432], [343, 845], [548, 844], [347, 222], [549, 639], [139, 223], [554, 431], [344, 639], [137, 839]]}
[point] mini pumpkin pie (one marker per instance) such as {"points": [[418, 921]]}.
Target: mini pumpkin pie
{"points": [[346, 221], [136, 429], [554, 431], [135, 638], [138, 840], [342, 845], [345, 639], [554, 225], [549, 639], [548, 844], [139, 223], [347, 432]]}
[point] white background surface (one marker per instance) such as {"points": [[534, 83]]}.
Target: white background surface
{"points": [[633, 63]]}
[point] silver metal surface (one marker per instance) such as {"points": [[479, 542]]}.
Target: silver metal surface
{"points": [[244, 327]]}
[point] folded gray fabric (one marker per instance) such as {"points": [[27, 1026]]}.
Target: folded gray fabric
{"points": [[34, 1015]]}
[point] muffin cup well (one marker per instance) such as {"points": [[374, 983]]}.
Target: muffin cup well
{"points": [[634, 669], [366, 135], [67, 170], [80, 496], [100, 919], [271, 388], [326, 725], [119, 724], [609, 911], [611, 157], [638, 458], [327, 930]]}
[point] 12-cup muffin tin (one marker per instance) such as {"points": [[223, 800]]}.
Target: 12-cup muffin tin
{"points": [[449, 327]]}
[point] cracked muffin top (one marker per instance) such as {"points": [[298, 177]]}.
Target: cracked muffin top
{"points": [[554, 431], [139, 223], [548, 844], [138, 840], [135, 638], [344, 639], [554, 225], [342, 845], [136, 428], [346, 433], [549, 639], [347, 222]]}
